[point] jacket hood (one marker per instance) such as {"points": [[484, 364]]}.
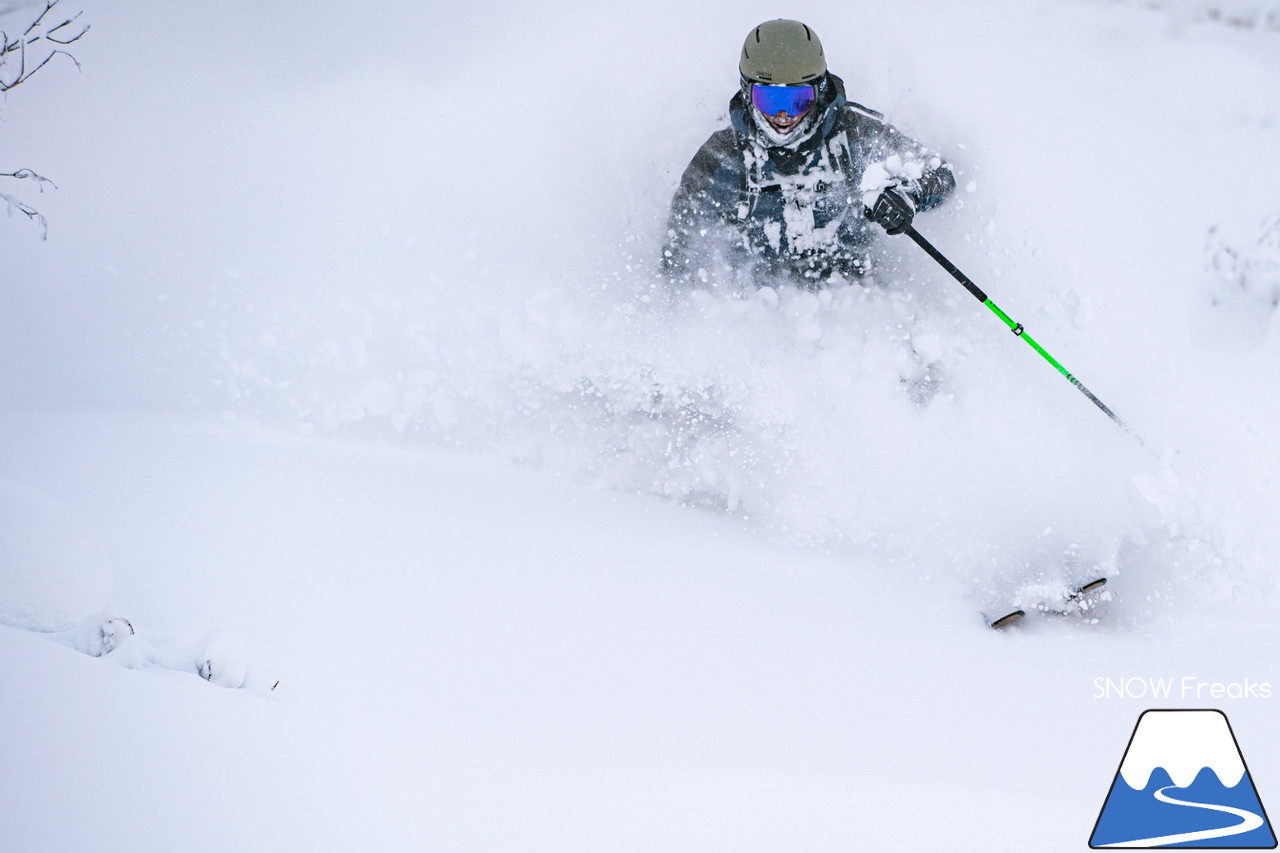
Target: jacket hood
{"points": [[830, 98]]}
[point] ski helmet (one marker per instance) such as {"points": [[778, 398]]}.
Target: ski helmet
{"points": [[782, 53]]}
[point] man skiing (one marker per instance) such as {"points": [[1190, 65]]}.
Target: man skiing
{"points": [[791, 186]]}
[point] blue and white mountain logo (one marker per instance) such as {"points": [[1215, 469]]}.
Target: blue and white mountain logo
{"points": [[1183, 783]]}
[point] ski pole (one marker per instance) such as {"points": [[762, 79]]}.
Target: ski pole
{"points": [[1016, 328]]}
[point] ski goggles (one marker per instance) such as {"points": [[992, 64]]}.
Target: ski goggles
{"points": [[792, 100]]}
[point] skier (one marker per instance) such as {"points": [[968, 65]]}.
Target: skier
{"points": [[788, 188]]}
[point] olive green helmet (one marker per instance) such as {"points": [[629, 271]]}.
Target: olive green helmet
{"points": [[782, 53]]}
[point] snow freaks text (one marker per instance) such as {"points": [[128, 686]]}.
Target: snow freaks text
{"points": [[1185, 687]]}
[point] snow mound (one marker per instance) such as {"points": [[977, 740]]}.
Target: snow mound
{"points": [[52, 573], [222, 659], [102, 633]]}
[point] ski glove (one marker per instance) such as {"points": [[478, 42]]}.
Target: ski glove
{"points": [[893, 210]]}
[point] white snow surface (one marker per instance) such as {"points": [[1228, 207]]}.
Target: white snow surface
{"points": [[345, 335], [52, 572]]}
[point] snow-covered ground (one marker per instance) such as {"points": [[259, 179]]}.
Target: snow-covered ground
{"points": [[341, 364]]}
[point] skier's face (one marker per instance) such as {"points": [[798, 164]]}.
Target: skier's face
{"points": [[782, 122], [783, 106]]}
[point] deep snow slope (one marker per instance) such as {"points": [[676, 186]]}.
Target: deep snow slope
{"points": [[541, 559], [471, 658]]}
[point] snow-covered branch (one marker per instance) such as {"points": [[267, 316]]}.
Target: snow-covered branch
{"points": [[28, 174], [23, 55], [15, 205]]}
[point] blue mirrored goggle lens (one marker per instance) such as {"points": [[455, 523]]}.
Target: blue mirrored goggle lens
{"points": [[792, 100]]}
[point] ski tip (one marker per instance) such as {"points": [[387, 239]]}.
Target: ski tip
{"points": [[1092, 586], [1009, 619]]}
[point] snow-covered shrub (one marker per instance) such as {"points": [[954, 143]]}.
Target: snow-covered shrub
{"points": [[1244, 262], [103, 632], [1249, 14]]}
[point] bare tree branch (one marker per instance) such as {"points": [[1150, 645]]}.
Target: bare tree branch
{"points": [[44, 43], [67, 23], [49, 5], [64, 33], [15, 205], [28, 174]]}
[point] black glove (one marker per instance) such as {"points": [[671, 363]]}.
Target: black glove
{"points": [[893, 209]]}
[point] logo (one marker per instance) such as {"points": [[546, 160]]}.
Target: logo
{"points": [[1183, 783]]}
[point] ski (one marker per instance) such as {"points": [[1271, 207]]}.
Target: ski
{"points": [[1078, 601], [1006, 621]]}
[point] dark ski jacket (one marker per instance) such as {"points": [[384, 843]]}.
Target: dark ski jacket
{"points": [[752, 205]]}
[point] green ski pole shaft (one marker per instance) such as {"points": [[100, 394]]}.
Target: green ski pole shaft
{"points": [[1016, 328]]}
